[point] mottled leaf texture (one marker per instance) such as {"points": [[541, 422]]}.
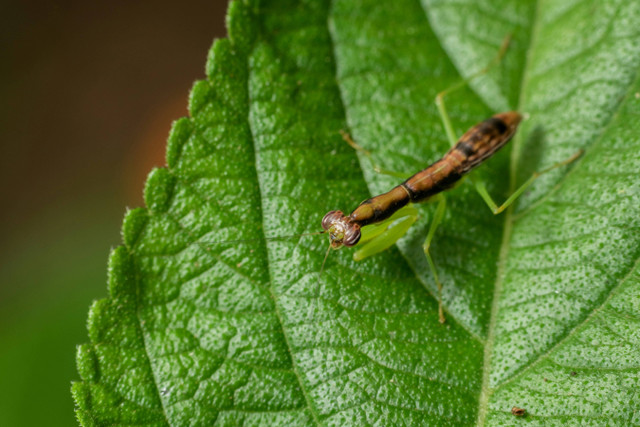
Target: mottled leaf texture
{"points": [[542, 302]]}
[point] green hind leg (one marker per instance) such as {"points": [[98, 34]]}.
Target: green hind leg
{"points": [[442, 109], [379, 237], [437, 219], [482, 189]]}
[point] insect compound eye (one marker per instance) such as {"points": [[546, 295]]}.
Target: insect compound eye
{"points": [[330, 218], [352, 235]]}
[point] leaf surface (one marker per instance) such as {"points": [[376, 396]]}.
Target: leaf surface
{"points": [[542, 302]]}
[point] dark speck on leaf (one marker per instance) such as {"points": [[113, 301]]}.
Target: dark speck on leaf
{"points": [[518, 412]]}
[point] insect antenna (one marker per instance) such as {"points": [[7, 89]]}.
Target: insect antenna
{"points": [[326, 255], [283, 237]]}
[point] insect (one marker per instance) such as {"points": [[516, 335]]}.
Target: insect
{"points": [[379, 222], [476, 145]]}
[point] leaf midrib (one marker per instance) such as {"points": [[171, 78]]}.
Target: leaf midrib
{"points": [[485, 389]]}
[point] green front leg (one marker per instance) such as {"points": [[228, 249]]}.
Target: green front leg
{"points": [[378, 237]]}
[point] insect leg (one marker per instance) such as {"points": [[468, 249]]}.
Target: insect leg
{"points": [[377, 168], [482, 189], [437, 219], [444, 115], [378, 237]]}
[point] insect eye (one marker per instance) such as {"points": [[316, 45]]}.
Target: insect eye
{"points": [[352, 235], [330, 218]]}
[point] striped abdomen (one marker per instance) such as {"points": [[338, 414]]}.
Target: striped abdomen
{"points": [[476, 145]]}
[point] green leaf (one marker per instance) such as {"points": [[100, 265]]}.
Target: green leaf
{"points": [[543, 305]]}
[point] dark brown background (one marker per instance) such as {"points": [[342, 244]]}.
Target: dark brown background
{"points": [[88, 91]]}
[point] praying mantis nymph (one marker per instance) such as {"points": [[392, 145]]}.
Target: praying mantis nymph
{"points": [[476, 145], [378, 222]]}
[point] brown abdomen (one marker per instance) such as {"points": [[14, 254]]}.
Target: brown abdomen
{"points": [[476, 145], [484, 139]]}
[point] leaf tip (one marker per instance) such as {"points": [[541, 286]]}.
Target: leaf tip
{"points": [[200, 94], [121, 275], [134, 222], [87, 363], [81, 395], [180, 132], [96, 320], [158, 190]]}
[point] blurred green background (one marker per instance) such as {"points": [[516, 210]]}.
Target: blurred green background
{"points": [[88, 91]]}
